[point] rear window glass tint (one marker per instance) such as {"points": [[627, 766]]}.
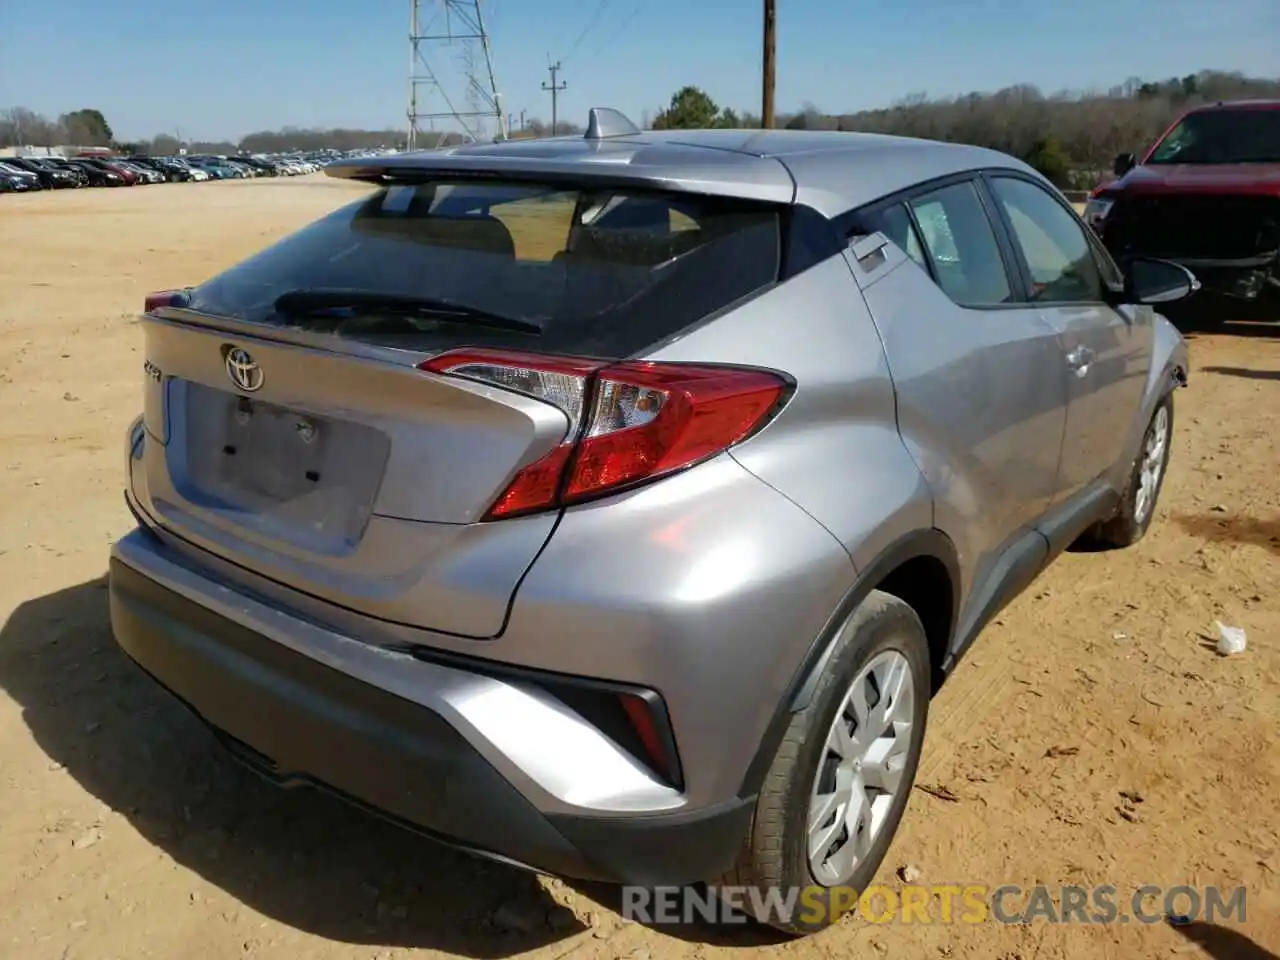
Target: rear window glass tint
{"points": [[601, 272]]}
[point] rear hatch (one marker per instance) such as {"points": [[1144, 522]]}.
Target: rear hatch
{"points": [[294, 431]]}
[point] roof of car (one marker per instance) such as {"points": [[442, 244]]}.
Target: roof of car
{"points": [[1257, 104], [828, 170]]}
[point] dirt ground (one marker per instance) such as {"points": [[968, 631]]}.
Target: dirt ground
{"points": [[1093, 736]]}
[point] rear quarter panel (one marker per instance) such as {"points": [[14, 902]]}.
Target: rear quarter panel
{"points": [[712, 586], [835, 450]]}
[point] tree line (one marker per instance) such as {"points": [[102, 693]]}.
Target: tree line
{"points": [[21, 127], [1070, 137]]}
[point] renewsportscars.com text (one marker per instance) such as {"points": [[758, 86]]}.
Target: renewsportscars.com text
{"points": [[940, 903]]}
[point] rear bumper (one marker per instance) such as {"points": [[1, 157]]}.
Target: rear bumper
{"points": [[412, 749]]}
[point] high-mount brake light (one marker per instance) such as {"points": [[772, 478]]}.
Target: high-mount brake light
{"points": [[629, 422]]}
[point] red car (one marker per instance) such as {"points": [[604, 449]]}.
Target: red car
{"points": [[129, 177], [1207, 196]]}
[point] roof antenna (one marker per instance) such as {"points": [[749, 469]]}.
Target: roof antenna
{"points": [[605, 122]]}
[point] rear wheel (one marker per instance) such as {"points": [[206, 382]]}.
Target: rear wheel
{"points": [[834, 796], [1138, 504]]}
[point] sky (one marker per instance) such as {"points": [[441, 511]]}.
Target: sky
{"points": [[224, 68]]}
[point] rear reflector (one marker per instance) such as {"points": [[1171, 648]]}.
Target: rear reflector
{"points": [[629, 422], [654, 736]]}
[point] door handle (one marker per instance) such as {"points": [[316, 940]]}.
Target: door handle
{"points": [[1079, 359]]}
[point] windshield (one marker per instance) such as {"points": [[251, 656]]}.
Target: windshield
{"points": [[598, 272], [1222, 136]]}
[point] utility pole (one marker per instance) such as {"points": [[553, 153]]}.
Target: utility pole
{"points": [[770, 59], [553, 69]]}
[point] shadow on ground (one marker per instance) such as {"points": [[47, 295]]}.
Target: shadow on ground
{"points": [[1223, 943], [1243, 372], [1193, 331], [1246, 328], [1227, 529], [299, 857], [1203, 317], [689, 916]]}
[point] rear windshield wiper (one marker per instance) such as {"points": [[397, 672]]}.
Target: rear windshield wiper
{"points": [[318, 301]]}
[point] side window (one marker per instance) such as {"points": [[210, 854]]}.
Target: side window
{"points": [[1053, 244], [623, 228], [895, 223], [539, 225], [960, 242]]}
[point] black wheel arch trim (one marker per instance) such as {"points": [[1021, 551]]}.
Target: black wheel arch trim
{"points": [[919, 543]]}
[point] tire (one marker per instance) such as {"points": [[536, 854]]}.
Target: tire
{"points": [[884, 634], [1133, 518]]}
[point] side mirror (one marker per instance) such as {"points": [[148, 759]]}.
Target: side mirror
{"points": [[1151, 281], [1123, 164]]}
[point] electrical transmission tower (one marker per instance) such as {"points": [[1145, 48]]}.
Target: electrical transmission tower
{"points": [[459, 98]]}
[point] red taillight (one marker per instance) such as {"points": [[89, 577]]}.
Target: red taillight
{"points": [[628, 422], [535, 487], [164, 298]]}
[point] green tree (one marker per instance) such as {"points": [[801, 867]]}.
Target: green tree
{"points": [[729, 120], [164, 145], [87, 128], [690, 109], [1050, 158]]}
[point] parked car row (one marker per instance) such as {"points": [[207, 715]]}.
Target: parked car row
{"points": [[22, 174]]}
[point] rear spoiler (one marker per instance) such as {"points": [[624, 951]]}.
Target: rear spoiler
{"points": [[705, 179], [613, 153]]}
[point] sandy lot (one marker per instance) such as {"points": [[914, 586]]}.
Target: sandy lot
{"points": [[1092, 737]]}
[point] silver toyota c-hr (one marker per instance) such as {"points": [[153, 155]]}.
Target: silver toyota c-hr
{"points": [[613, 505]]}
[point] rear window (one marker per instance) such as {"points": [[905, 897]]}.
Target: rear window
{"points": [[599, 272]]}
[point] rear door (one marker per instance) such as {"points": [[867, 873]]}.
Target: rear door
{"points": [[1106, 350], [981, 395]]}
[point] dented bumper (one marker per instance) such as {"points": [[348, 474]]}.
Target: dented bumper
{"points": [[1231, 243]]}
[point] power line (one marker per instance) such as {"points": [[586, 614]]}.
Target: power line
{"points": [[595, 18], [635, 11]]}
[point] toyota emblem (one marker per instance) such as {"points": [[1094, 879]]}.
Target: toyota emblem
{"points": [[244, 370]]}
